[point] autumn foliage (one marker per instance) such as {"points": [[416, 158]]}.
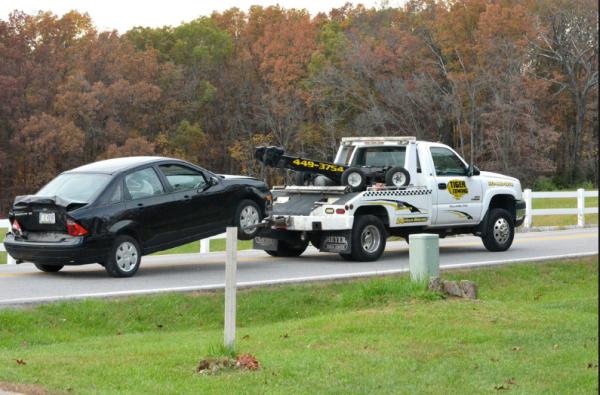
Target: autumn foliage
{"points": [[511, 85]]}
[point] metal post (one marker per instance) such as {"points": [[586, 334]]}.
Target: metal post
{"points": [[10, 260], [580, 207], [424, 256], [230, 287], [528, 207], [204, 246]]}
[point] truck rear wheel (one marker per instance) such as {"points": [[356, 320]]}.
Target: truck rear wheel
{"points": [[287, 249], [500, 230], [368, 238]]}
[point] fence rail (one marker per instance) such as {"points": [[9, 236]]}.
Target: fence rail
{"points": [[528, 196]]}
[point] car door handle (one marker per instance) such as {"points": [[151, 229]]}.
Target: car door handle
{"points": [[186, 196], [140, 204], [442, 185]]}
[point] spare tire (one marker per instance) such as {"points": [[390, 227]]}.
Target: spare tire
{"points": [[397, 177], [355, 178]]}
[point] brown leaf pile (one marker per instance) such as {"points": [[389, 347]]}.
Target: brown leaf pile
{"points": [[247, 361]]}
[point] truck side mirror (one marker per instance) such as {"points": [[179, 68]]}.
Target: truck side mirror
{"points": [[472, 170]]}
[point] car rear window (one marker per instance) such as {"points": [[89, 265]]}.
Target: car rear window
{"points": [[76, 187]]}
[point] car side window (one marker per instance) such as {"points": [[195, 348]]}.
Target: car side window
{"points": [[183, 178], [446, 162], [117, 193], [143, 183]]}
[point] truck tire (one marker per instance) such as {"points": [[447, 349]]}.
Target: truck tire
{"points": [[247, 213], [287, 249], [500, 230], [397, 177], [48, 268], [124, 257], [355, 178], [368, 238]]}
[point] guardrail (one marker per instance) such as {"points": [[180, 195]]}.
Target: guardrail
{"points": [[528, 196], [580, 211]]}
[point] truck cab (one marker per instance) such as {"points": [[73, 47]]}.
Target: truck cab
{"points": [[439, 193]]}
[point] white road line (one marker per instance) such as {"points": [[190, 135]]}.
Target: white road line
{"points": [[292, 280]]}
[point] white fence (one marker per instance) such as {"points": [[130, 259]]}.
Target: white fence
{"points": [[528, 195], [580, 211]]}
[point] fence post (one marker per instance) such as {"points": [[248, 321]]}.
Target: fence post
{"points": [[528, 207], [10, 260], [424, 256], [580, 207], [230, 287], [204, 246]]}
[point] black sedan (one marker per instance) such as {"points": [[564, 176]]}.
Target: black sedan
{"points": [[114, 211]]}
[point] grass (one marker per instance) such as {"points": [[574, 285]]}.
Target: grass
{"points": [[562, 220], [534, 330], [215, 245]]}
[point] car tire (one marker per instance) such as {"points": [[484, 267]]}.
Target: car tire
{"points": [[287, 249], [500, 230], [397, 177], [48, 268], [368, 238], [350, 177], [247, 213], [124, 257]]}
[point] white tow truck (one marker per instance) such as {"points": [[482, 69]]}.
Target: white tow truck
{"points": [[390, 186]]}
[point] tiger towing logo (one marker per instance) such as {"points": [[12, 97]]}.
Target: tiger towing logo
{"points": [[457, 188]]}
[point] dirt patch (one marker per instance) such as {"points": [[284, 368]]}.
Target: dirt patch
{"points": [[217, 365], [24, 389]]}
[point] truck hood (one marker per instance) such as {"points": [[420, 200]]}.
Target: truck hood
{"points": [[489, 174]]}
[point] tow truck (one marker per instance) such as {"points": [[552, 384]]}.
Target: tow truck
{"points": [[378, 187]]}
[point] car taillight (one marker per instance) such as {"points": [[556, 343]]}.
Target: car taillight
{"points": [[74, 229], [16, 227]]}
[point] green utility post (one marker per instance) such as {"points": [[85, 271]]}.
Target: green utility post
{"points": [[424, 256]]}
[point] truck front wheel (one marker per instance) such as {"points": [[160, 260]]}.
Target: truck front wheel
{"points": [[368, 238], [500, 230]]}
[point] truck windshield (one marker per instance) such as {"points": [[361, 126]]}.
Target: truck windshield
{"points": [[380, 156], [76, 187]]}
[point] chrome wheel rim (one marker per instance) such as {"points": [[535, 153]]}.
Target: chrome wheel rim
{"points": [[370, 238], [248, 218], [354, 179], [501, 231], [398, 179], [126, 256]]}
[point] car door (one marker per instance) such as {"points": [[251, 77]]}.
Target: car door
{"points": [[148, 205], [193, 208], [458, 197]]}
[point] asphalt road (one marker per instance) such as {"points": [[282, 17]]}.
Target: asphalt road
{"points": [[24, 284]]}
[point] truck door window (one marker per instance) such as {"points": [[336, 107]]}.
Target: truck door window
{"points": [[446, 162], [380, 156]]}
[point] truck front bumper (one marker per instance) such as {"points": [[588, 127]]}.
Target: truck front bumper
{"points": [[520, 208]]}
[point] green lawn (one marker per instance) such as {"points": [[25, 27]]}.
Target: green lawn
{"points": [[563, 220], [533, 331]]}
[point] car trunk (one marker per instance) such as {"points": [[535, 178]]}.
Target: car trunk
{"points": [[42, 214]]}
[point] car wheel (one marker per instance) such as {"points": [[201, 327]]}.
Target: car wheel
{"points": [[48, 268], [355, 178], [500, 230], [124, 257], [247, 214], [287, 249], [368, 238], [397, 177]]}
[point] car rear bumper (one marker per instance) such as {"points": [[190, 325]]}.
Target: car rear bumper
{"points": [[74, 251]]}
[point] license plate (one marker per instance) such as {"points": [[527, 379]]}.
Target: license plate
{"points": [[47, 218]]}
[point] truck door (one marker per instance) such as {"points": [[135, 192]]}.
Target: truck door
{"points": [[457, 196]]}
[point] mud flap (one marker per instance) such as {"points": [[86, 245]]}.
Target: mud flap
{"points": [[339, 242], [265, 243]]}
